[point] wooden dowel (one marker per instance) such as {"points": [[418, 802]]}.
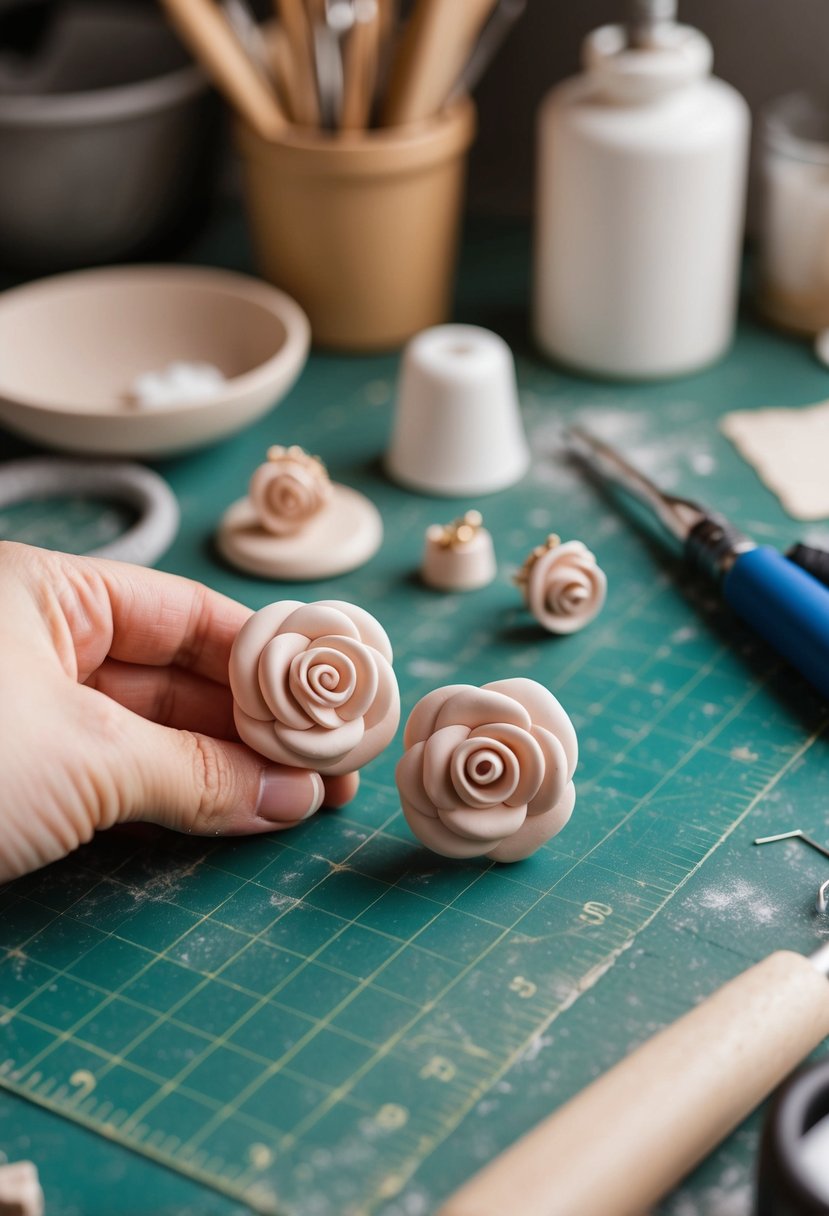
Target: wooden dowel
{"points": [[387, 17], [295, 22], [283, 69], [360, 63], [430, 57], [204, 28]]}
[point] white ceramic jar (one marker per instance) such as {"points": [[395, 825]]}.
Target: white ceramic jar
{"points": [[640, 201]]}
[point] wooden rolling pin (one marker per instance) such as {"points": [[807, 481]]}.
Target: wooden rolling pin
{"points": [[626, 1140], [433, 50]]}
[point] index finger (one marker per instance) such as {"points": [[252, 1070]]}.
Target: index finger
{"points": [[162, 619]]}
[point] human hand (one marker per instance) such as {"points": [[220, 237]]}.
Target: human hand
{"points": [[115, 707]]}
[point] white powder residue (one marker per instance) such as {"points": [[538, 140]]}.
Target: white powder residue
{"points": [[741, 899], [378, 392], [534, 1048], [429, 669], [817, 537], [727, 1199], [703, 463], [686, 633], [540, 517], [669, 459]]}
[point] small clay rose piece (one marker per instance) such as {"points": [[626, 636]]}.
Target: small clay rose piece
{"points": [[288, 490], [563, 586], [313, 686], [488, 771]]}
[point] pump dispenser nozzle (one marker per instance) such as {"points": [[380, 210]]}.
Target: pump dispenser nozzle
{"points": [[646, 20]]}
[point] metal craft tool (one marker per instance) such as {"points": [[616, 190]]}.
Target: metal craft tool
{"points": [[822, 901], [249, 32], [793, 1174], [780, 601], [810, 558], [334, 19], [504, 16]]}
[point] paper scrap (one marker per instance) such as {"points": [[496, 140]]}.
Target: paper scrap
{"points": [[788, 448]]}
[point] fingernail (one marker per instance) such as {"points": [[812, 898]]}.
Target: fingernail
{"points": [[289, 796]]}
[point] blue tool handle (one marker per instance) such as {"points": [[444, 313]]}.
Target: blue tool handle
{"points": [[786, 606]]}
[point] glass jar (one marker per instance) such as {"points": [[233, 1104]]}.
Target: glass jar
{"points": [[794, 258]]}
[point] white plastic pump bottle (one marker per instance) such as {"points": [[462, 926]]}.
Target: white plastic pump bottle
{"points": [[640, 203]]}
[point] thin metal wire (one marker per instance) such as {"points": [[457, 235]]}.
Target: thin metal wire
{"points": [[822, 901], [796, 834]]}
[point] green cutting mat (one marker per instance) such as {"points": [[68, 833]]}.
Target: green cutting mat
{"points": [[333, 1021]]}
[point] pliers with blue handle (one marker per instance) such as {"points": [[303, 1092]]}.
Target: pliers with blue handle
{"points": [[788, 607]]}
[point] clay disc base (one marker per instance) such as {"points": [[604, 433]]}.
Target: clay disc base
{"points": [[342, 536]]}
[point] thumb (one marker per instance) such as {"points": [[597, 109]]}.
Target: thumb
{"points": [[195, 783]]}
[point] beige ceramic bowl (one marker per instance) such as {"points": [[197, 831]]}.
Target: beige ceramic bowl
{"points": [[71, 346]]}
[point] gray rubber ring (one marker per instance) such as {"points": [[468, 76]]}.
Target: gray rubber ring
{"points": [[133, 485]]}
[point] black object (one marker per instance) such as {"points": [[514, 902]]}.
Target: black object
{"points": [[24, 27], [815, 561], [783, 1185]]}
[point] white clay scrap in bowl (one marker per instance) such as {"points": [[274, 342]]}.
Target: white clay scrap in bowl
{"points": [[488, 772], [296, 524], [313, 685], [74, 347]]}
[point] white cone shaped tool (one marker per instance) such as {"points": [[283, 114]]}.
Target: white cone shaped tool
{"points": [[457, 428]]}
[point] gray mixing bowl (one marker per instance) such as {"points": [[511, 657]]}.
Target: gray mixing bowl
{"points": [[107, 135]]}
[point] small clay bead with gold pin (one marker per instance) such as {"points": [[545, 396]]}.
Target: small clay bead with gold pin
{"points": [[458, 556]]}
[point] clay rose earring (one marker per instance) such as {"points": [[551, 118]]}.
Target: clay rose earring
{"points": [[289, 489], [488, 771], [562, 584], [298, 524], [313, 685]]}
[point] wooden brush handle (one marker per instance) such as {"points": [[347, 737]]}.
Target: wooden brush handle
{"points": [[204, 28], [294, 19], [360, 60], [206, 31], [437, 43], [623, 1142]]}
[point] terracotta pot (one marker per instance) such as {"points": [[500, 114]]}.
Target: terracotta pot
{"points": [[361, 229]]}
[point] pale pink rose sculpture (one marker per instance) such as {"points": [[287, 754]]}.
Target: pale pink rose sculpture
{"points": [[288, 490], [563, 586], [488, 771], [313, 685]]}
